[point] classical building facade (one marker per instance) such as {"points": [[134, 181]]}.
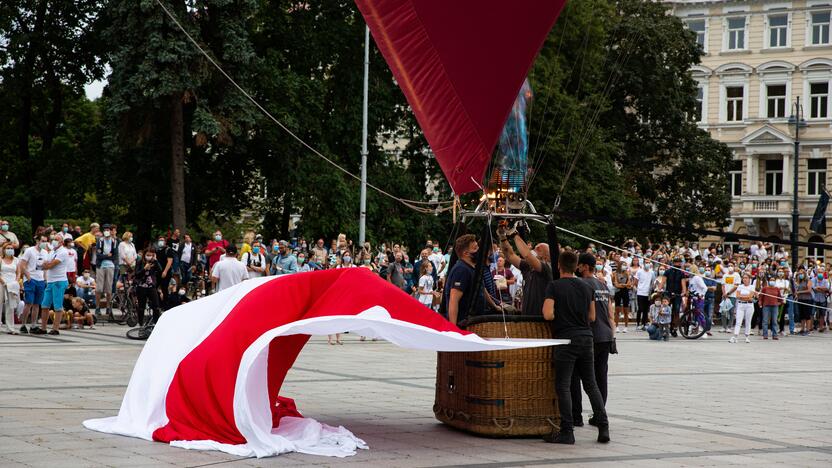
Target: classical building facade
{"points": [[758, 58]]}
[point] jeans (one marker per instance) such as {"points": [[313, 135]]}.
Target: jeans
{"points": [[770, 316], [184, 273], [602, 357], [709, 311], [643, 307], [577, 357]]}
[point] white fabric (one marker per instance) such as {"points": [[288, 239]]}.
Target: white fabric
{"points": [[187, 250], [183, 328], [34, 258], [645, 282], [744, 313], [697, 285], [729, 285], [229, 272], [127, 254], [9, 274], [426, 285], [58, 271]]}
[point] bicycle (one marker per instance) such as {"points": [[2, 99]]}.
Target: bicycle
{"points": [[125, 300], [692, 320], [143, 332]]}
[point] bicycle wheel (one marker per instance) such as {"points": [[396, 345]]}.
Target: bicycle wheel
{"points": [[690, 329], [129, 313], [140, 333]]}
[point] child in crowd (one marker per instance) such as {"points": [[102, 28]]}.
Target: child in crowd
{"points": [[659, 328], [81, 314]]}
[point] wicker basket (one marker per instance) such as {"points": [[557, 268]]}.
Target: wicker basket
{"points": [[499, 393]]}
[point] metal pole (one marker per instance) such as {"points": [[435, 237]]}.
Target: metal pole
{"points": [[795, 211], [362, 219]]}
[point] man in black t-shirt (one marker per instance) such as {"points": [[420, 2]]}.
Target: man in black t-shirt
{"points": [[570, 305], [457, 293], [535, 266], [675, 285]]}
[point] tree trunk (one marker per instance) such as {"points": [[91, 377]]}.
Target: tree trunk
{"points": [[177, 162]]}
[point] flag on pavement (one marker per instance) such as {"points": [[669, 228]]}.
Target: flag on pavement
{"points": [[818, 223]]}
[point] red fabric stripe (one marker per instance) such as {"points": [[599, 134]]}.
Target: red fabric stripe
{"points": [[460, 63], [199, 403]]}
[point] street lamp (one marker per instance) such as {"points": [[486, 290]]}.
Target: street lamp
{"points": [[799, 122]]}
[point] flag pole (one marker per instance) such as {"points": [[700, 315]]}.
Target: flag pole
{"points": [[362, 219]]}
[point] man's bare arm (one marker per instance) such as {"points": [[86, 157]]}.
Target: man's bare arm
{"points": [[526, 253], [549, 309], [453, 305]]}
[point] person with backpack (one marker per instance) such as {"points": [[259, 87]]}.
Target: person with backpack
{"points": [[106, 261], [255, 261]]}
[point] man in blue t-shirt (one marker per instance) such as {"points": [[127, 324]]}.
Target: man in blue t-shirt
{"points": [[457, 294]]}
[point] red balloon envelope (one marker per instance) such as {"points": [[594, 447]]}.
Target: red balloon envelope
{"points": [[460, 64]]}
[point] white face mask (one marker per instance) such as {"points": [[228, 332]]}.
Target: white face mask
{"points": [[86, 276], [44, 245], [106, 233], [181, 292], [148, 257], [9, 252], [55, 244]]}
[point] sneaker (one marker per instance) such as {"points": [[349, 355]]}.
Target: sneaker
{"points": [[733, 339], [76, 327], [624, 330], [775, 337], [560, 438], [747, 340], [24, 330], [618, 329], [92, 327], [765, 337], [705, 336], [38, 331], [604, 433], [592, 421], [54, 332]]}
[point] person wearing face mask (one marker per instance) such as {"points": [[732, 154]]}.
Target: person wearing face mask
{"points": [[623, 282], [55, 267], [215, 249], [34, 285], [820, 290], [9, 287], [731, 281], [745, 308], [106, 261], [534, 265], [346, 260], [147, 276], [698, 290], [803, 292], [255, 261], [395, 271], [458, 295], [187, 259], [65, 232], [303, 266], [127, 255], [85, 287], [85, 242], [7, 236], [783, 283], [284, 263], [770, 299], [644, 285], [164, 255], [710, 300]]}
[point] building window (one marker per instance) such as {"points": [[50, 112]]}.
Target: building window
{"points": [[700, 97], [816, 182], [735, 178], [819, 100], [778, 30], [813, 252], [776, 101], [698, 26], [820, 27], [736, 33], [734, 95], [774, 177]]}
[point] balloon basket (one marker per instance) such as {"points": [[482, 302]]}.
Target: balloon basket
{"points": [[499, 393]]}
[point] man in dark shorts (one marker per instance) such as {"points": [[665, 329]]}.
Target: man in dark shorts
{"points": [[602, 333], [457, 293], [535, 266], [570, 305], [676, 286]]}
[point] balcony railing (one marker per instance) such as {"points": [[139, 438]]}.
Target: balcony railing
{"points": [[766, 205]]}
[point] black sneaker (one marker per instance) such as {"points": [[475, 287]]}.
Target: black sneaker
{"points": [[593, 422], [24, 330], [672, 333], [604, 433], [38, 331], [557, 437], [578, 422], [54, 332]]}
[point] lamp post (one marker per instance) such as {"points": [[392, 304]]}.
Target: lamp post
{"points": [[799, 122]]}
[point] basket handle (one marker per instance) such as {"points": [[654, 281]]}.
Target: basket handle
{"points": [[550, 421], [507, 427]]}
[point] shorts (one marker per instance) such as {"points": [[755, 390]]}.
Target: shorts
{"points": [[805, 309], [53, 296], [622, 298], [33, 291], [104, 280], [820, 310]]}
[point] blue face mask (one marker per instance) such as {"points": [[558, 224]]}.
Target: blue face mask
{"points": [[255, 250]]}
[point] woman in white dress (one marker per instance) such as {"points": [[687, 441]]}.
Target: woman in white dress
{"points": [[9, 287], [426, 284]]}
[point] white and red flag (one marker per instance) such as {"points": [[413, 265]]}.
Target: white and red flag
{"points": [[209, 377]]}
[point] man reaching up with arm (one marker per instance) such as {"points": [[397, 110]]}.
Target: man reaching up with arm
{"points": [[533, 263], [570, 305]]}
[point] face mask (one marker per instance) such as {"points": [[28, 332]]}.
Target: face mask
{"points": [[801, 276], [130, 240], [780, 274], [161, 243], [599, 267], [661, 271], [55, 244], [709, 274], [347, 259], [9, 252], [255, 250], [820, 277], [86, 276], [72, 245], [217, 238], [771, 283], [658, 303], [65, 230], [181, 292], [753, 265], [730, 269], [301, 260], [44, 245], [106, 233], [148, 257], [701, 270], [4, 227]]}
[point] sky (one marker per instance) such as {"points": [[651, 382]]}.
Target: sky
{"points": [[94, 89]]}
